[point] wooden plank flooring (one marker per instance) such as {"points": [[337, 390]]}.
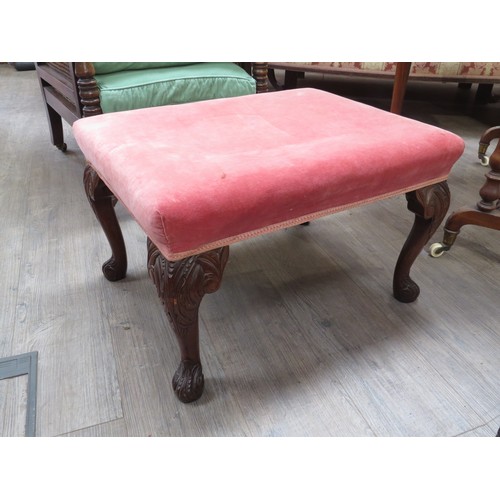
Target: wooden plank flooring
{"points": [[303, 339]]}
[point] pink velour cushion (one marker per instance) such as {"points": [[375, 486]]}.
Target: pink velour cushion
{"points": [[202, 175]]}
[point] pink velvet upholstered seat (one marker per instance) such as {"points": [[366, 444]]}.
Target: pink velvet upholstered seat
{"points": [[203, 175]]}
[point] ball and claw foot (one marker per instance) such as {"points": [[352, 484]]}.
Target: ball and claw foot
{"points": [[63, 147], [438, 249], [188, 381]]}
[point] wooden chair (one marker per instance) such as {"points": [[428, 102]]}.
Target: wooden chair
{"points": [[486, 212], [73, 90]]}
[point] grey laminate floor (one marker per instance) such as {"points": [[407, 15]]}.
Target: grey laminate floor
{"points": [[302, 339]]}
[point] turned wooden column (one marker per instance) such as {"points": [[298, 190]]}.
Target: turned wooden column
{"points": [[259, 72], [87, 89], [490, 192]]}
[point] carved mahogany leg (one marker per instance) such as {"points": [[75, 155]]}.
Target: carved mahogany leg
{"points": [[429, 205], [102, 201], [181, 286]]}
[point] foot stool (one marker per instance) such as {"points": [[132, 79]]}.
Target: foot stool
{"points": [[198, 177]]}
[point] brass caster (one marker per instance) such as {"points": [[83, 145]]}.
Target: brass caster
{"points": [[437, 249]]}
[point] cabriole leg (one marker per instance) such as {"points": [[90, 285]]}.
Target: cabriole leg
{"points": [[181, 286], [429, 204], [102, 201]]}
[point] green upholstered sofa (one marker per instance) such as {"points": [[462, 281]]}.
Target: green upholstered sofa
{"points": [[75, 90]]}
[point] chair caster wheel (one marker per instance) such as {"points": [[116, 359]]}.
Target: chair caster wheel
{"points": [[484, 160], [437, 249]]}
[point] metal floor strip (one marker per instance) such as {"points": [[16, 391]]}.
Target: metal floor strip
{"points": [[24, 364]]}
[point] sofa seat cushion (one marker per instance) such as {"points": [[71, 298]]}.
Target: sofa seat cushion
{"points": [[102, 68], [135, 89], [204, 175]]}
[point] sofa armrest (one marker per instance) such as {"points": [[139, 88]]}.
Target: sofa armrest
{"points": [[59, 89]]}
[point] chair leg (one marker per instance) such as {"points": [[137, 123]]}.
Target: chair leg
{"points": [[56, 128], [429, 204], [271, 75], [102, 201], [484, 93], [399, 88], [292, 78], [181, 286], [463, 217]]}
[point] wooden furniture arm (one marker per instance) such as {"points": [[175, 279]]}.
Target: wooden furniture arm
{"points": [[58, 83]]}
